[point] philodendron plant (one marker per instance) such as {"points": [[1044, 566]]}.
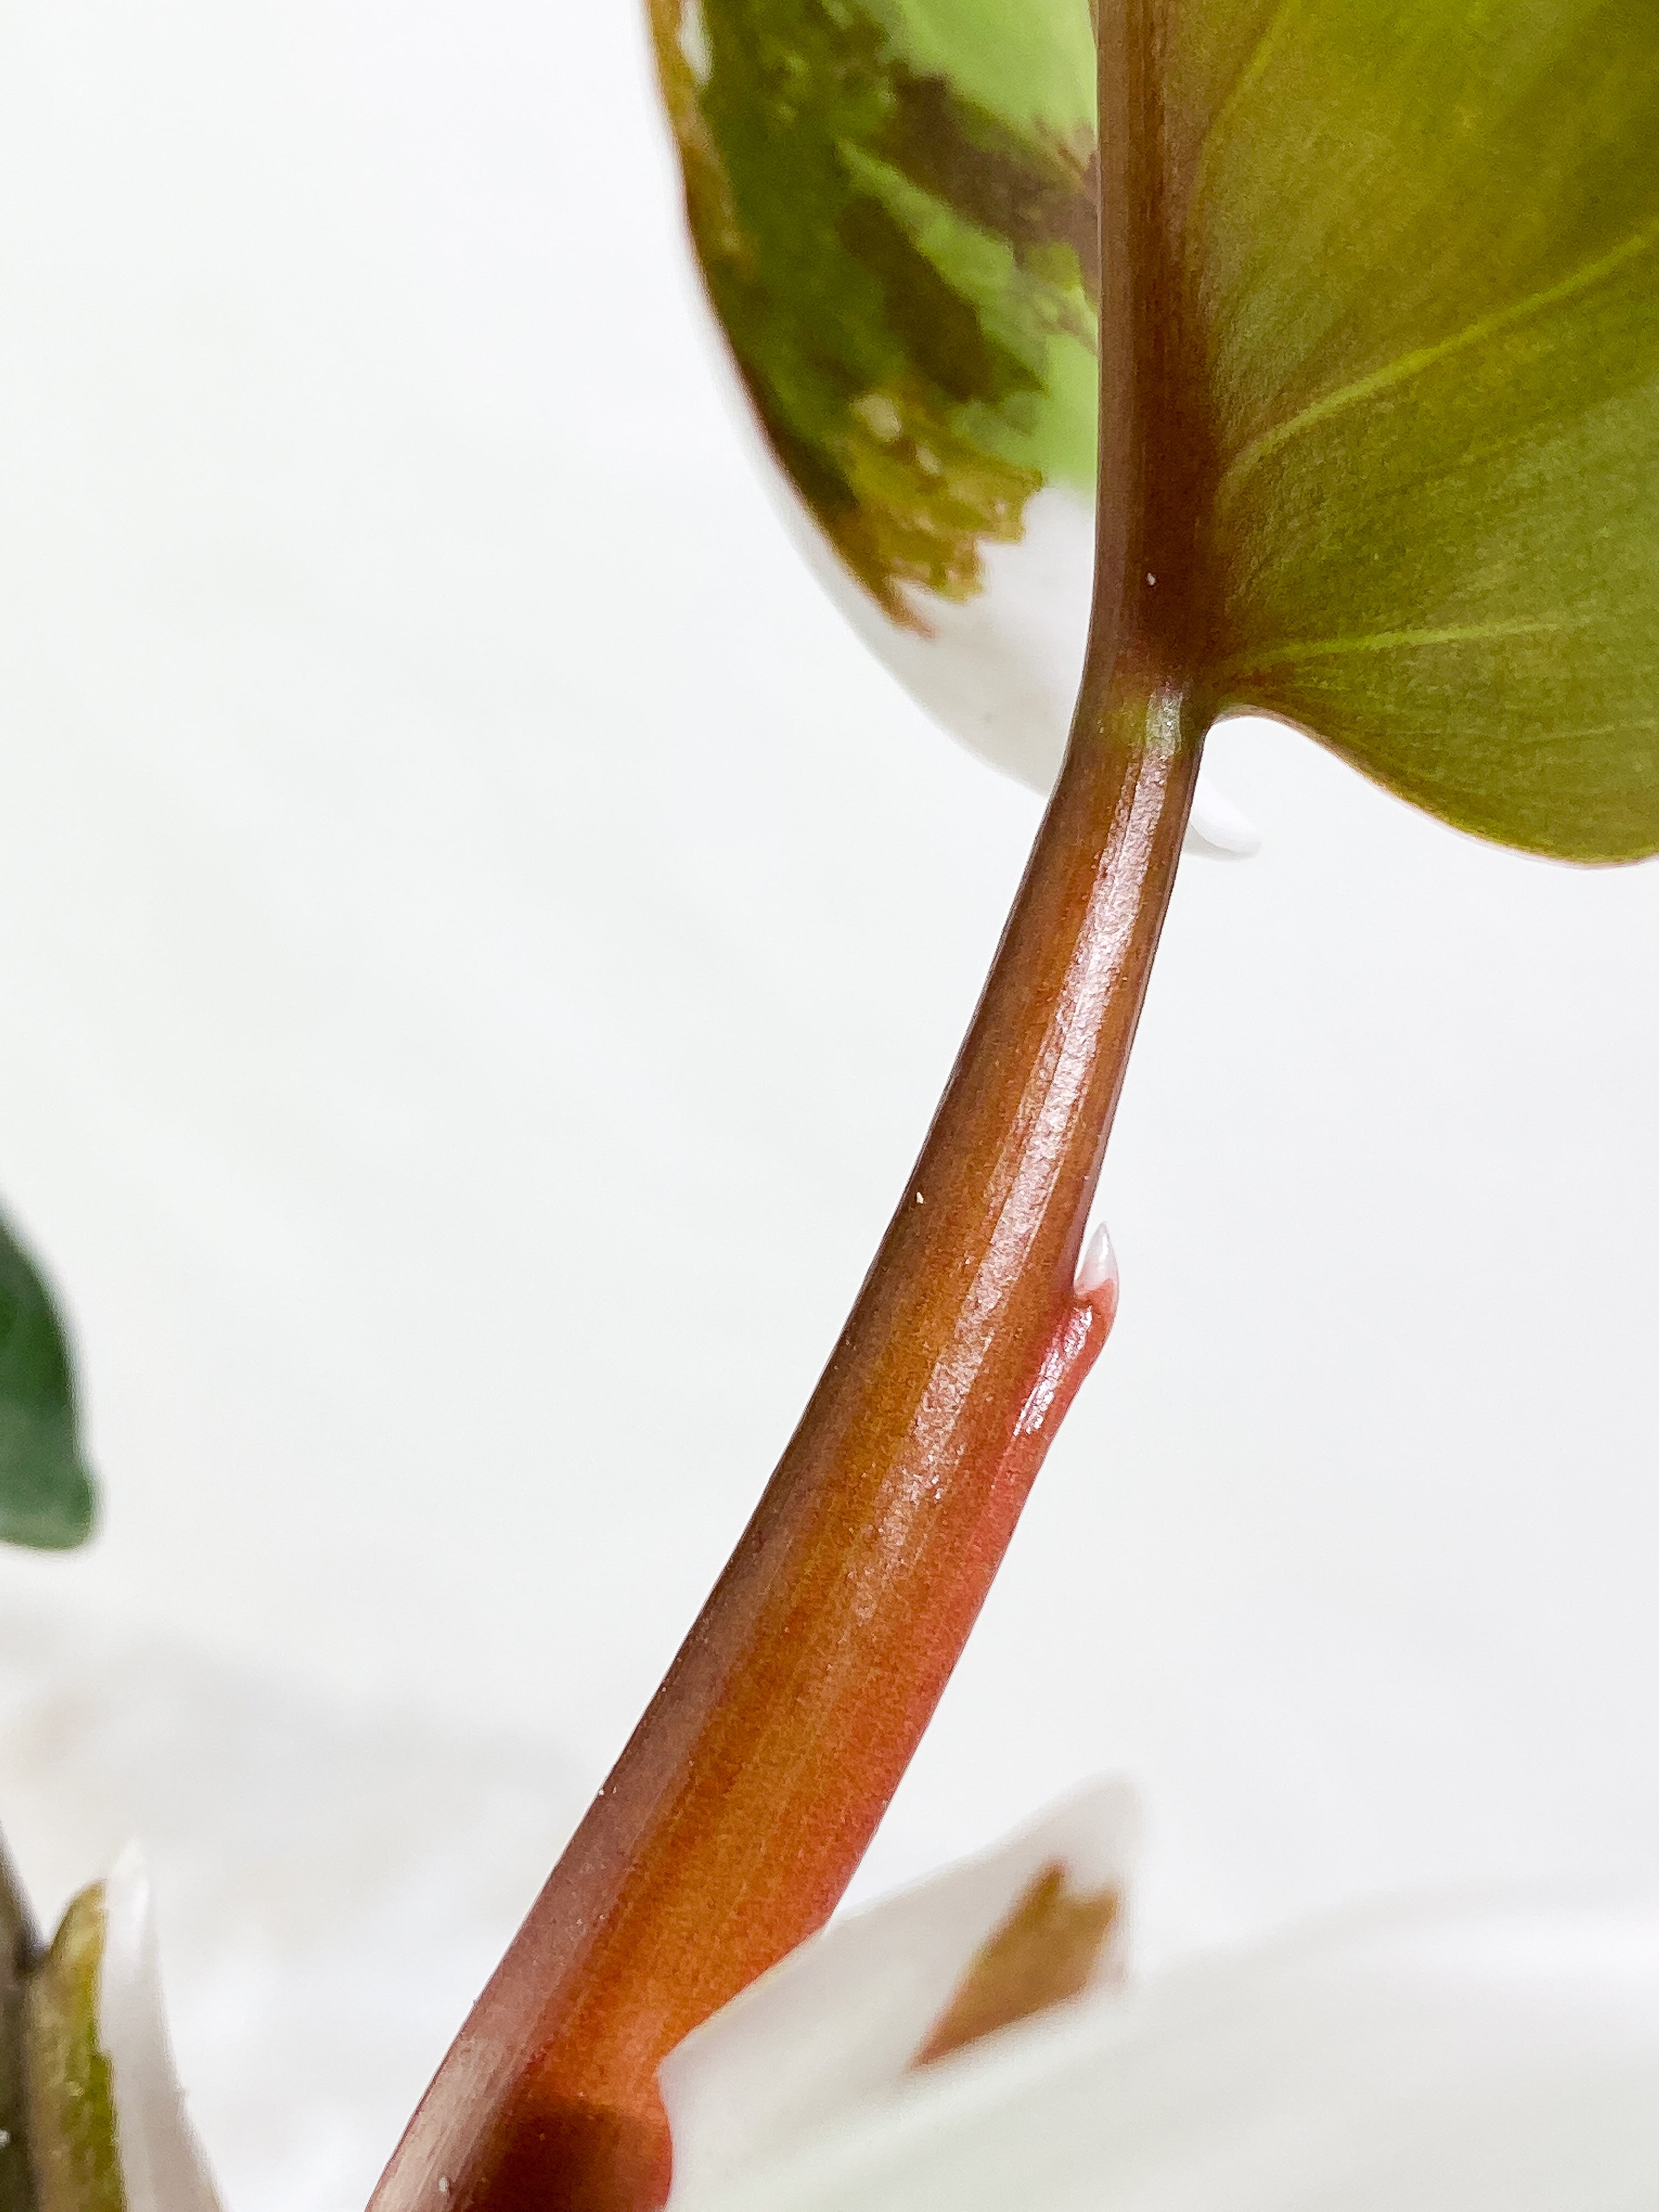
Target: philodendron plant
{"points": [[1294, 356], [1345, 313]]}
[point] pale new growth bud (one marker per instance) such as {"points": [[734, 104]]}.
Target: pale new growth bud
{"points": [[1097, 1270], [163, 2168]]}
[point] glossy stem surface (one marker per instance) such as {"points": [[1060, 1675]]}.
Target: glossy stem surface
{"points": [[742, 1805], [738, 1813]]}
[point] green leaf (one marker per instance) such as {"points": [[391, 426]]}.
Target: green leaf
{"points": [[894, 207], [1420, 252], [1408, 287], [46, 1496]]}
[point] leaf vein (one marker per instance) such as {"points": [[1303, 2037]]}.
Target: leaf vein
{"points": [[1408, 365], [1294, 650], [1249, 70]]}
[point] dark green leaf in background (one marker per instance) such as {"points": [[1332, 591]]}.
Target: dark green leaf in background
{"points": [[46, 1495]]}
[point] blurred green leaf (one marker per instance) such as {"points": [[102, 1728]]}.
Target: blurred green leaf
{"points": [[73, 2142], [46, 1496]]}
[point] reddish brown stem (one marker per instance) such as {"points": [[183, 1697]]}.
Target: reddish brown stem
{"points": [[736, 1814], [739, 1809]]}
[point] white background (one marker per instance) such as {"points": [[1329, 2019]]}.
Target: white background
{"points": [[479, 945]]}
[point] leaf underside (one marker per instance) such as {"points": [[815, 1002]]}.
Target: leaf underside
{"points": [[46, 1496], [1415, 247], [1420, 244]]}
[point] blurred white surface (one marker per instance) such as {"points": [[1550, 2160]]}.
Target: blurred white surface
{"points": [[838, 2025], [333, 1881], [479, 945], [1476, 2054]]}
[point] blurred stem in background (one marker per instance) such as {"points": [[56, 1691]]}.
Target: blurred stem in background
{"points": [[19, 1950]]}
